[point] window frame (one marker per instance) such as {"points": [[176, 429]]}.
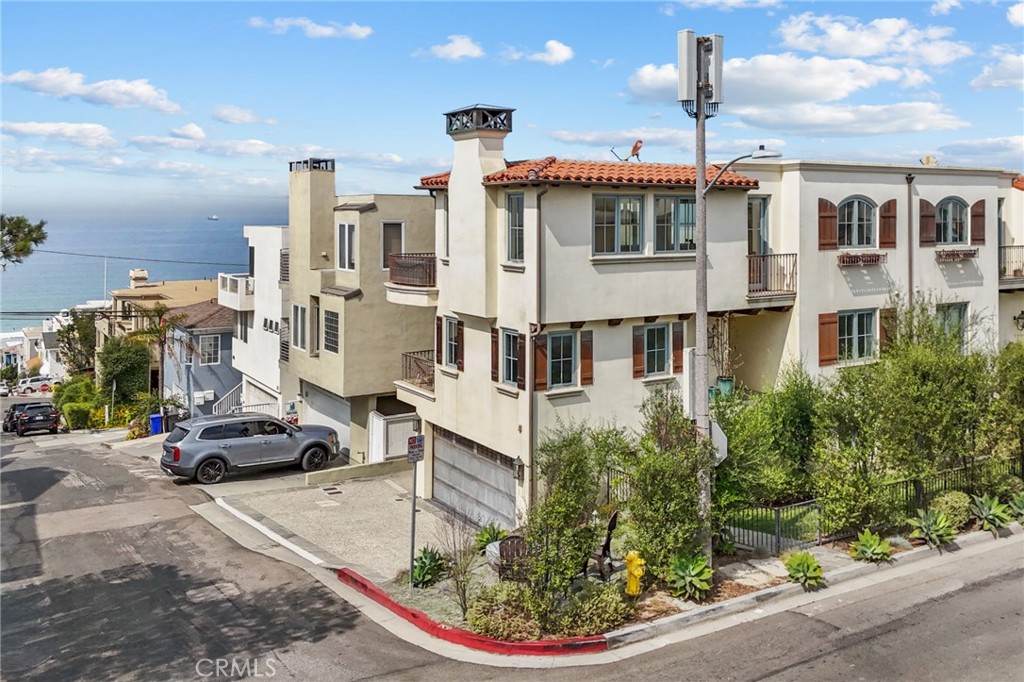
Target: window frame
{"points": [[515, 233], [942, 313], [853, 340], [383, 250], [203, 352], [509, 357], [298, 327], [617, 227], [944, 222], [327, 332], [345, 258], [676, 228], [451, 342], [855, 226], [666, 351], [572, 360]]}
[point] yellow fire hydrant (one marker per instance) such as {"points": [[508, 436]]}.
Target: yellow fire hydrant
{"points": [[634, 571]]}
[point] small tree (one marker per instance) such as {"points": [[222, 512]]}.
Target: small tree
{"points": [[77, 342], [456, 538], [18, 238], [125, 362]]}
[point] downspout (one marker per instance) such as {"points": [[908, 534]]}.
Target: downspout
{"points": [[910, 240], [531, 386]]}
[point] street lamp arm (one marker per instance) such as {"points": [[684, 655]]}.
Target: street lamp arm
{"points": [[722, 170]]}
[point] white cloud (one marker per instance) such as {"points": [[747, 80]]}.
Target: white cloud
{"points": [[1008, 72], [668, 10], [458, 47], [672, 137], [554, 53], [889, 40], [604, 64], [331, 29], [211, 147], [943, 6], [190, 131], [510, 54], [36, 160], [1015, 15], [228, 113], [117, 93], [834, 120], [992, 152], [90, 135], [776, 79]]}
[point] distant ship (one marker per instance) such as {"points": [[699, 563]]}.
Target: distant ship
{"points": [[212, 217]]}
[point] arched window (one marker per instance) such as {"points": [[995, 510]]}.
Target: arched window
{"points": [[856, 223], [951, 221]]}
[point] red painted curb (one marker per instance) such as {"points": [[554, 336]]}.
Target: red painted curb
{"points": [[547, 647]]}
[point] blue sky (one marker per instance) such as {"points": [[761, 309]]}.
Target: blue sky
{"points": [[139, 106]]}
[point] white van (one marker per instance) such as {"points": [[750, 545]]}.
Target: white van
{"points": [[41, 383]]}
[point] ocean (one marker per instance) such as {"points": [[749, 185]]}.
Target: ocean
{"points": [[47, 282]]}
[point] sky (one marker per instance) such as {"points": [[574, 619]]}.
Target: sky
{"points": [[199, 106]]}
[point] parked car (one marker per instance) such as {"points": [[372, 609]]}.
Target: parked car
{"points": [[40, 383], [208, 448], [5, 390], [12, 411], [39, 417]]}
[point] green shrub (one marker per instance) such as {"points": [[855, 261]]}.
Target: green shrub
{"points": [[870, 547], [76, 415], [933, 527], [805, 570], [990, 512], [79, 390], [492, 532], [955, 505], [899, 542], [597, 608], [428, 567], [501, 611], [1004, 487], [690, 576], [1016, 505]]}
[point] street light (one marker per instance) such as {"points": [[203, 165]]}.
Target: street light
{"points": [[700, 93]]}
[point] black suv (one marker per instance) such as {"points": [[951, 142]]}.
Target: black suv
{"points": [[10, 416], [41, 417]]}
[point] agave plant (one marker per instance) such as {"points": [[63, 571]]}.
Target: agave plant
{"points": [[933, 527], [804, 569], [991, 513], [492, 532], [428, 567], [690, 576], [1016, 506], [870, 547]]}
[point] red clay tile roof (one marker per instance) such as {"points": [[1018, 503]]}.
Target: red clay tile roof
{"points": [[551, 169], [1018, 182]]}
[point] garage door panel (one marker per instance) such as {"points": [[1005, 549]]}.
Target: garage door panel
{"points": [[473, 484], [323, 407]]}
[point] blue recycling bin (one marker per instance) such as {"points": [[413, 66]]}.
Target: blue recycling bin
{"points": [[156, 424]]}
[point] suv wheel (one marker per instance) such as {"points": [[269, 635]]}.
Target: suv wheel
{"points": [[314, 459], [211, 471]]}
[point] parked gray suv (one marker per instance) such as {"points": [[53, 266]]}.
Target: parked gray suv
{"points": [[207, 448]]}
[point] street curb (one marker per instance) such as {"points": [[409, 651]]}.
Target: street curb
{"points": [[553, 647], [643, 631]]}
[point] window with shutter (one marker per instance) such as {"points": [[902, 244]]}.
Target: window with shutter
{"points": [[887, 225], [521, 361], [828, 232], [677, 348], [494, 354], [460, 346], [978, 222], [638, 351], [586, 357], [540, 362], [828, 339], [886, 328]]}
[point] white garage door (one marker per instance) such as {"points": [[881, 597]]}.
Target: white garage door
{"points": [[323, 407], [474, 479]]}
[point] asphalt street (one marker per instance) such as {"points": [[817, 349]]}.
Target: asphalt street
{"points": [[108, 574]]}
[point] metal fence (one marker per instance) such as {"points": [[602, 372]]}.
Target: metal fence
{"points": [[910, 495], [776, 529]]}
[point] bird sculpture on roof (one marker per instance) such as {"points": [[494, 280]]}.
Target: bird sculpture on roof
{"points": [[634, 153]]}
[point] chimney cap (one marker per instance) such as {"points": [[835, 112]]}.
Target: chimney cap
{"points": [[479, 117]]}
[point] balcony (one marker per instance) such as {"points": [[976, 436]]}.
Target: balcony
{"points": [[771, 276], [412, 279], [285, 265], [1011, 268], [237, 292], [418, 368]]}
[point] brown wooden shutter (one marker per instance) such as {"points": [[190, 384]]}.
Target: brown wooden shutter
{"points": [[978, 222], [887, 225], [828, 339], [886, 327], [540, 362], [927, 223], [677, 348], [638, 351], [495, 354], [439, 341], [587, 357], [460, 350], [521, 361], [828, 225]]}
